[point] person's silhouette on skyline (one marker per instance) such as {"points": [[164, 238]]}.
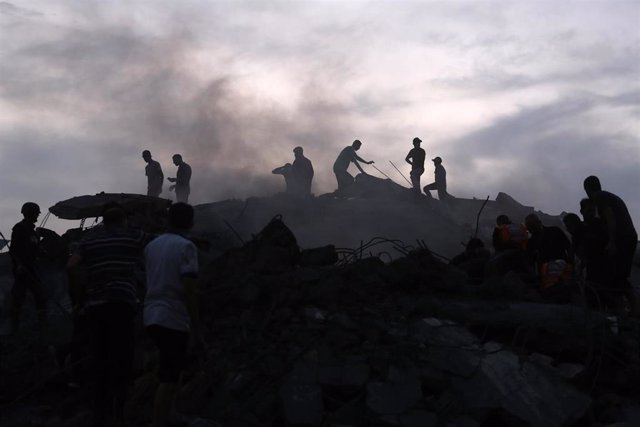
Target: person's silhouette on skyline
{"points": [[347, 156], [622, 236], [440, 183], [286, 172], [182, 179], [155, 177], [416, 159], [302, 173]]}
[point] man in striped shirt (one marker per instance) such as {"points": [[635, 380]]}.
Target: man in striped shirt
{"points": [[110, 254]]}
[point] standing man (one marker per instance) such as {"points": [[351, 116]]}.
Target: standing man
{"points": [[622, 237], [154, 174], [170, 307], [440, 183], [416, 159], [347, 156], [182, 179], [302, 173], [111, 254], [23, 251]]}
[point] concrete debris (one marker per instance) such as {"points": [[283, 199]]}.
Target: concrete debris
{"points": [[334, 337]]}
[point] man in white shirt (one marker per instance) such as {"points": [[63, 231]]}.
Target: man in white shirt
{"points": [[170, 308]]}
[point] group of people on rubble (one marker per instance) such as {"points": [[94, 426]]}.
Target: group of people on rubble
{"points": [[106, 290], [299, 174], [155, 177], [597, 260]]}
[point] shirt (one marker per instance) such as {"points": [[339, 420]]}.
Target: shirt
{"points": [[169, 258], [111, 256], [154, 174], [624, 225], [24, 244], [346, 156], [417, 156], [183, 176]]}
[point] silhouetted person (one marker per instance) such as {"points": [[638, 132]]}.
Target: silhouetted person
{"points": [[509, 242], [416, 158], [589, 238], [508, 236], [24, 251], [473, 260], [347, 156], [286, 172], [440, 183], [622, 236], [155, 177], [170, 307], [302, 173], [182, 179], [550, 252], [111, 253]]}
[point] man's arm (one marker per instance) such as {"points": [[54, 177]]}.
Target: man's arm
{"points": [[409, 156]]}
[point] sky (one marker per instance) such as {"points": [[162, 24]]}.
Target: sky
{"points": [[523, 97]]}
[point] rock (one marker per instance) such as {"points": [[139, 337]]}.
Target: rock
{"points": [[418, 418], [387, 398], [302, 404]]}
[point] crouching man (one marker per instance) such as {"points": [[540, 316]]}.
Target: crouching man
{"points": [[170, 308]]}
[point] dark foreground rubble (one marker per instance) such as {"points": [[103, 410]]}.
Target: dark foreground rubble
{"points": [[341, 338], [383, 334]]}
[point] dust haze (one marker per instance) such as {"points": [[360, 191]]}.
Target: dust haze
{"points": [[86, 86]]}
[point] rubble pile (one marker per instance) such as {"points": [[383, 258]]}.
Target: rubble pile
{"points": [[369, 343]]}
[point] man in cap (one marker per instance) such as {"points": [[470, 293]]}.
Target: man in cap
{"points": [[416, 159], [154, 174], [24, 251], [440, 183], [347, 156]]}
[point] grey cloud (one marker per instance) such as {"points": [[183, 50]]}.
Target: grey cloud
{"points": [[12, 10]]}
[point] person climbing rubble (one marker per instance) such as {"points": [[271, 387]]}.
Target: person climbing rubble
{"points": [[347, 156], [440, 183], [111, 254], [170, 306]]}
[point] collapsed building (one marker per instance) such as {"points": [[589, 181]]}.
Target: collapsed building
{"points": [[345, 312]]}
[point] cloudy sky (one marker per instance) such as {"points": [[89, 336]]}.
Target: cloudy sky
{"points": [[525, 97]]}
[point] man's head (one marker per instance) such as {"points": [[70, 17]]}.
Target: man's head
{"points": [[533, 223], [30, 211], [177, 159], [146, 155], [588, 210], [503, 220], [356, 144], [437, 160], [592, 185], [181, 216], [571, 222], [113, 214], [298, 152], [416, 142]]}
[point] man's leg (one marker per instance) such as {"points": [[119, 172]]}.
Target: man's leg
{"points": [[415, 179], [98, 319], [18, 295], [121, 350], [427, 189], [172, 346]]}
